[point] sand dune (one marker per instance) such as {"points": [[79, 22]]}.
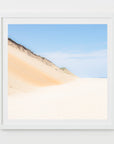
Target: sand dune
{"points": [[38, 89], [27, 70]]}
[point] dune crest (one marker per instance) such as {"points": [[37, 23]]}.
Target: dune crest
{"points": [[27, 70]]}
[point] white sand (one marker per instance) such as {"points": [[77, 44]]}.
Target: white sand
{"points": [[81, 99], [37, 89]]}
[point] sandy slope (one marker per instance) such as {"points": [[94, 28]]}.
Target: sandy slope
{"points": [[26, 70], [80, 99], [40, 90]]}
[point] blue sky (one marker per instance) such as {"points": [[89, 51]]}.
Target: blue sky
{"points": [[81, 48]]}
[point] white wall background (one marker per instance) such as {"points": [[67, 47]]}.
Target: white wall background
{"points": [[53, 136]]}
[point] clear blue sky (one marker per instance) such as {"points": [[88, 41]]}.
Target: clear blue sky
{"points": [[81, 48]]}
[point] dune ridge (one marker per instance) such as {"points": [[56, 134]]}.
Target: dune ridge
{"points": [[38, 89], [27, 70], [28, 52]]}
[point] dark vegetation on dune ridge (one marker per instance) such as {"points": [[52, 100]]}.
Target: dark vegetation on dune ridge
{"points": [[63, 68], [66, 70], [29, 52], [32, 54]]}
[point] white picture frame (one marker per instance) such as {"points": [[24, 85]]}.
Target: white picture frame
{"points": [[55, 18]]}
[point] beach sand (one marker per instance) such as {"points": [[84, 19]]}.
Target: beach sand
{"points": [[38, 89], [84, 98]]}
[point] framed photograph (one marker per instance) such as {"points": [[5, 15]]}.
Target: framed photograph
{"points": [[57, 71]]}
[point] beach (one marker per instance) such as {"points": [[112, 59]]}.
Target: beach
{"points": [[38, 89], [81, 99]]}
